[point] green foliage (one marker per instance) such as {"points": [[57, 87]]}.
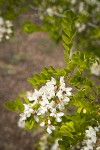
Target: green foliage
{"points": [[30, 27], [12, 8], [69, 29], [45, 75], [67, 129], [15, 105]]}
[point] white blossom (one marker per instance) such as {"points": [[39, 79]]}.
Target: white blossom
{"points": [[81, 27], [42, 124], [59, 94], [21, 123], [51, 100], [50, 128], [36, 117], [68, 91], [28, 111], [5, 29], [33, 96], [50, 11], [95, 69], [90, 138], [57, 116], [8, 23]]}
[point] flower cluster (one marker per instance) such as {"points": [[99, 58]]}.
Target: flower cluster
{"points": [[47, 103], [91, 138], [5, 29]]}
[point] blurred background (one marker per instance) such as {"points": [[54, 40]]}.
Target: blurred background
{"points": [[36, 42]]}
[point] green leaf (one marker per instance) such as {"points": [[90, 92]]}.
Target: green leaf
{"points": [[68, 25], [66, 40], [15, 105], [29, 123], [30, 27], [70, 126], [45, 75], [68, 129]]}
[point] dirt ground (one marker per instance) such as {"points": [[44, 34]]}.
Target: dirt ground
{"points": [[20, 57]]}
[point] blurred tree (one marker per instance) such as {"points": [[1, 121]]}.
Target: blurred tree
{"points": [[51, 13]]}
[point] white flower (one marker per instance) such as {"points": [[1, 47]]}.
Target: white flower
{"points": [[59, 94], [95, 69], [57, 116], [42, 110], [23, 116], [53, 112], [50, 128], [33, 96], [21, 123], [52, 104], [61, 79], [96, 129], [66, 100], [29, 96], [5, 29], [81, 27], [49, 122], [62, 83], [68, 91], [48, 91], [50, 11], [62, 103], [36, 118], [7, 37], [53, 81], [36, 95], [9, 31], [8, 23], [42, 124], [44, 102], [28, 110]]}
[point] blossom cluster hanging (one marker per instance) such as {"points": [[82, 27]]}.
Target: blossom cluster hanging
{"points": [[5, 29], [47, 103], [90, 138]]}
